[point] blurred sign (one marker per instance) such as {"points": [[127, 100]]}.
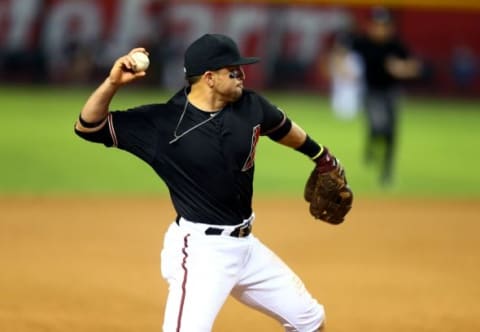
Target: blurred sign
{"points": [[60, 35]]}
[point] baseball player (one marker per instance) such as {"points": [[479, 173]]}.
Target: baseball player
{"points": [[201, 143]]}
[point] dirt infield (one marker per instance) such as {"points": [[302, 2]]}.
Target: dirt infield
{"points": [[93, 265]]}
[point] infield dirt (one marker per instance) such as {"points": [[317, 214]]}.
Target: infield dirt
{"points": [[91, 264]]}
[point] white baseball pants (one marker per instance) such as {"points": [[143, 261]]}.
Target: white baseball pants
{"points": [[202, 270]]}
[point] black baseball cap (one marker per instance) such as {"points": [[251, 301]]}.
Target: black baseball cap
{"points": [[213, 52], [380, 14]]}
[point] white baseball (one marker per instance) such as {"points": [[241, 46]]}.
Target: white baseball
{"points": [[141, 61]]}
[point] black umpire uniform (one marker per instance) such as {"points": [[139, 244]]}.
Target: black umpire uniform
{"points": [[387, 61]]}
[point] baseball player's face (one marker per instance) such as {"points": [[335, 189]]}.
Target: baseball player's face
{"points": [[380, 32], [229, 82]]}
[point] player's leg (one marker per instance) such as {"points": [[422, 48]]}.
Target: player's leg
{"points": [[199, 280], [270, 286], [380, 105], [376, 120], [389, 99], [388, 160]]}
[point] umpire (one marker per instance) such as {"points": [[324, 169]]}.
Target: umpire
{"points": [[387, 62]]}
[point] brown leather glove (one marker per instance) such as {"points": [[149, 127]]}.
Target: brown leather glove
{"points": [[327, 190]]}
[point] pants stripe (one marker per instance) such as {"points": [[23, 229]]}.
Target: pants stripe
{"points": [[185, 275]]}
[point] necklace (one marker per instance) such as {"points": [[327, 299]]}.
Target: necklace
{"points": [[176, 137]]}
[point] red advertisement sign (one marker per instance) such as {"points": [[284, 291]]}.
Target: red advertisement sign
{"points": [[290, 39]]}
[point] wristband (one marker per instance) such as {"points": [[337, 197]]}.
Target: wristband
{"points": [[89, 124], [310, 148], [322, 149]]}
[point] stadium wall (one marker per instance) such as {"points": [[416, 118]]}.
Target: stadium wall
{"points": [[76, 41]]}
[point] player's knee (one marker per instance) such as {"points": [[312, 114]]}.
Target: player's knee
{"points": [[317, 321], [320, 322], [321, 328], [313, 321]]}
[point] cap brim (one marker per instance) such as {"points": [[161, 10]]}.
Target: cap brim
{"points": [[240, 62], [245, 61]]}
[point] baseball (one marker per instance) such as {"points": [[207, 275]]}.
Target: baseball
{"points": [[141, 61]]}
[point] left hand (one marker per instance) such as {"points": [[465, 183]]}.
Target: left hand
{"points": [[327, 190]]}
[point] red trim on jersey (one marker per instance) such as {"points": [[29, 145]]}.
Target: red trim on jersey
{"points": [[278, 126], [253, 146], [112, 130], [185, 275]]}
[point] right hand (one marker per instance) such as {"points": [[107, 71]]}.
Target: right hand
{"points": [[122, 71], [402, 68]]}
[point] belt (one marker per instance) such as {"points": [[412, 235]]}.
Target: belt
{"points": [[242, 230]]}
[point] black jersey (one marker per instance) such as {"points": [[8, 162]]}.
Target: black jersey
{"points": [[374, 56], [209, 168]]}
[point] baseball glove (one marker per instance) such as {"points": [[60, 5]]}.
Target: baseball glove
{"points": [[327, 190]]}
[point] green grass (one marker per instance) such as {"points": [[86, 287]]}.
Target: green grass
{"points": [[437, 152]]}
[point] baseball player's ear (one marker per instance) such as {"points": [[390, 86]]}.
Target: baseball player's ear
{"points": [[209, 78]]}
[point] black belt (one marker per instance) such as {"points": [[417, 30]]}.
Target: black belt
{"points": [[240, 231]]}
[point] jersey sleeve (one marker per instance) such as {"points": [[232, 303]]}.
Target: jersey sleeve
{"points": [[102, 135], [273, 118], [400, 49], [134, 131], [358, 45]]}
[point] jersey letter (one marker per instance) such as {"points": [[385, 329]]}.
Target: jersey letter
{"points": [[251, 157]]}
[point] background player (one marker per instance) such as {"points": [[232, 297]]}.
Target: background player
{"points": [[345, 71], [387, 61], [202, 144]]}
